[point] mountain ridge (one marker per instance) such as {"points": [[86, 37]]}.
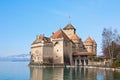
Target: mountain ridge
{"points": [[20, 57]]}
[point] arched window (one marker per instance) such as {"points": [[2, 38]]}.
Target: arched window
{"points": [[55, 43]]}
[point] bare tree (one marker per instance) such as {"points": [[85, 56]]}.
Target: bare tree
{"points": [[109, 38]]}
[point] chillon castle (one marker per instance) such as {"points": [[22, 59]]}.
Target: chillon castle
{"points": [[64, 47]]}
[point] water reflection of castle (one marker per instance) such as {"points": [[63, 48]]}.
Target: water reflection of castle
{"points": [[64, 47], [77, 73], [48, 73]]}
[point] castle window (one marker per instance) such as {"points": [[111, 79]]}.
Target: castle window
{"points": [[55, 43]]}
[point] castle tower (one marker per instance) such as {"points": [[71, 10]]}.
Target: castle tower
{"points": [[90, 45], [62, 49], [41, 50], [69, 30], [36, 52]]}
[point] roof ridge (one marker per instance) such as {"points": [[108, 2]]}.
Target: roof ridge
{"points": [[40, 38], [75, 37], [69, 26], [59, 34], [89, 40]]}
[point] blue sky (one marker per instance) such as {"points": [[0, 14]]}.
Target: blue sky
{"points": [[22, 20]]}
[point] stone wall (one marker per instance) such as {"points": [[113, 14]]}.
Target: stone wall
{"points": [[48, 53], [93, 63], [67, 52], [58, 51], [37, 53], [89, 47], [69, 32]]}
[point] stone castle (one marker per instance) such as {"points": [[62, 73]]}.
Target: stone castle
{"points": [[64, 47]]}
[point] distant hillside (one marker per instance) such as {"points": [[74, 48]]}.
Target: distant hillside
{"points": [[21, 57]]}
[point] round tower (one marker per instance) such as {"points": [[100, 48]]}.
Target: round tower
{"points": [[89, 44]]}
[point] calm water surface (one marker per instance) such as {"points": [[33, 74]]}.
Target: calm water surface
{"points": [[20, 71]]}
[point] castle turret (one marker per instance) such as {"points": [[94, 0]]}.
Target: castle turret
{"points": [[90, 45], [41, 50]]}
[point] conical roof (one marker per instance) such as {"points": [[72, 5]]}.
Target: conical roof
{"points": [[68, 26], [59, 34], [89, 40], [75, 37]]}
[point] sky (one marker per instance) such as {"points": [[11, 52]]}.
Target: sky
{"points": [[22, 20]]}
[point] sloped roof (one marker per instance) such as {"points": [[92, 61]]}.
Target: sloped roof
{"points": [[75, 37], [68, 26], [89, 40], [41, 38], [83, 53], [94, 42], [59, 34]]}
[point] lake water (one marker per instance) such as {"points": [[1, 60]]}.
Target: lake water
{"points": [[21, 71]]}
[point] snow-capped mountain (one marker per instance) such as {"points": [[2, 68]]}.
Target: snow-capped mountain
{"points": [[21, 57]]}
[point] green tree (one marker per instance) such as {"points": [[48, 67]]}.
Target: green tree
{"points": [[118, 58], [116, 63]]}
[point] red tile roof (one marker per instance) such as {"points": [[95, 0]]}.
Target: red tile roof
{"points": [[83, 53], [94, 42], [59, 34], [75, 37], [41, 38], [89, 40], [69, 26]]}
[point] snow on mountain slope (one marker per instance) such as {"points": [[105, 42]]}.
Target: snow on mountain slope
{"points": [[21, 57]]}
